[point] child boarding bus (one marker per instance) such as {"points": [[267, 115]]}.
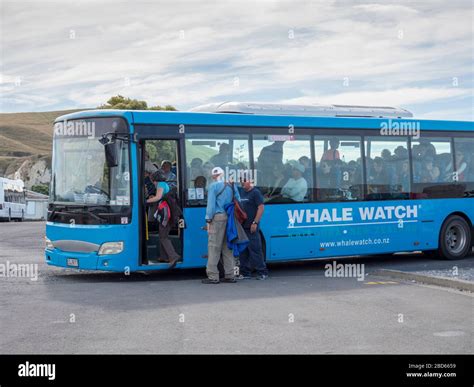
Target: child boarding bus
{"points": [[337, 181], [12, 199]]}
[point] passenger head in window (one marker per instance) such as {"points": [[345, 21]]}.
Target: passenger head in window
{"points": [[296, 187], [430, 173], [332, 153], [223, 158], [150, 167], [195, 168], [400, 153], [166, 169], [425, 149], [386, 155], [200, 182], [305, 161], [379, 173]]}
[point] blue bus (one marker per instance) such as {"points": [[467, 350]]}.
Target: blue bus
{"points": [[337, 181]]}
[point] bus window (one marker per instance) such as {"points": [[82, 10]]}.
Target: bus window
{"points": [[206, 151], [284, 167], [388, 168], [339, 175], [433, 172], [464, 163]]}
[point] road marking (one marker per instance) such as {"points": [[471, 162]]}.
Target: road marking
{"points": [[381, 283]]}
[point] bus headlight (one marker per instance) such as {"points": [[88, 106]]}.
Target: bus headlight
{"points": [[109, 248], [48, 245]]}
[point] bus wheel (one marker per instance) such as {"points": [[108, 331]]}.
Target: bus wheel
{"points": [[455, 238]]}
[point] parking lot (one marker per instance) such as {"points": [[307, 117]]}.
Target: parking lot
{"points": [[297, 310]]}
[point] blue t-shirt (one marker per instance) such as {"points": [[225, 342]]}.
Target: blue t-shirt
{"points": [[164, 186], [250, 201]]}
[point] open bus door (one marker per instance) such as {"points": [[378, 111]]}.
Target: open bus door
{"points": [[153, 152]]}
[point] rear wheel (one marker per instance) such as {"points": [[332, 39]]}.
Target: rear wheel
{"points": [[455, 238]]}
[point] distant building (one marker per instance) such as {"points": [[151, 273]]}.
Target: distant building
{"points": [[36, 206]]}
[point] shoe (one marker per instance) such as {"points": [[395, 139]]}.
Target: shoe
{"points": [[262, 277], [229, 280], [243, 277], [209, 281], [174, 262]]}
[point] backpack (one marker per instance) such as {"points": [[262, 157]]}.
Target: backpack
{"points": [[171, 198], [239, 212]]}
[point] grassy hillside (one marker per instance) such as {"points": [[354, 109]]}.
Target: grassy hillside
{"points": [[25, 135]]}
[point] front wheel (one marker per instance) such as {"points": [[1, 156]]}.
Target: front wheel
{"points": [[455, 238]]}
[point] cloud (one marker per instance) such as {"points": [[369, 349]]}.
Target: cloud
{"points": [[187, 53], [396, 97]]}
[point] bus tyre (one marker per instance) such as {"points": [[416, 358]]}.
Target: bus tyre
{"points": [[455, 238]]}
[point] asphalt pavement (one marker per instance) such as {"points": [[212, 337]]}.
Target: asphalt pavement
{"points": [[297, 310]]}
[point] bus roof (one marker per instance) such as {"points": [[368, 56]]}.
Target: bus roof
{"points": [[273, 109], [155, 117]]}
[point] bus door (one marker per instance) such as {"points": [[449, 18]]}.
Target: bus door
{"points": [[159, 154]]}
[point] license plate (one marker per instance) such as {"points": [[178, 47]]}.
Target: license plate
{"points": [[73, 262]]}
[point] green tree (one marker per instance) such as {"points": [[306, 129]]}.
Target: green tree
{"points": [[41, 188], [121, 102]]}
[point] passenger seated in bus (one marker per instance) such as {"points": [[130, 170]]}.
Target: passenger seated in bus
{"points": [[352, 168], [332, 153], [305, 161], [150, 167], [430, 173], [461, 166], [195, 169], [403, 176], [296, 187], [167, 173], [224, 157], [200, 182], [423, 150], [379, 178]]}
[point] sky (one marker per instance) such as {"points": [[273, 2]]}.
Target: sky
{"points": [[77, 54]]}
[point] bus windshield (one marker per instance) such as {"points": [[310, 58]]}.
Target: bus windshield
{"points": [[81, 175]]}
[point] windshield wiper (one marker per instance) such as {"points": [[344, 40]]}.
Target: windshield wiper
{"points": [[67, 211]]}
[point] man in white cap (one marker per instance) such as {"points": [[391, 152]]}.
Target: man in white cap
{"points": [[219, 195], [296, 187]]}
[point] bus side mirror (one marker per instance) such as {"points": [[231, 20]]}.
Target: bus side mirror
{"points": [[111, 154]]}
